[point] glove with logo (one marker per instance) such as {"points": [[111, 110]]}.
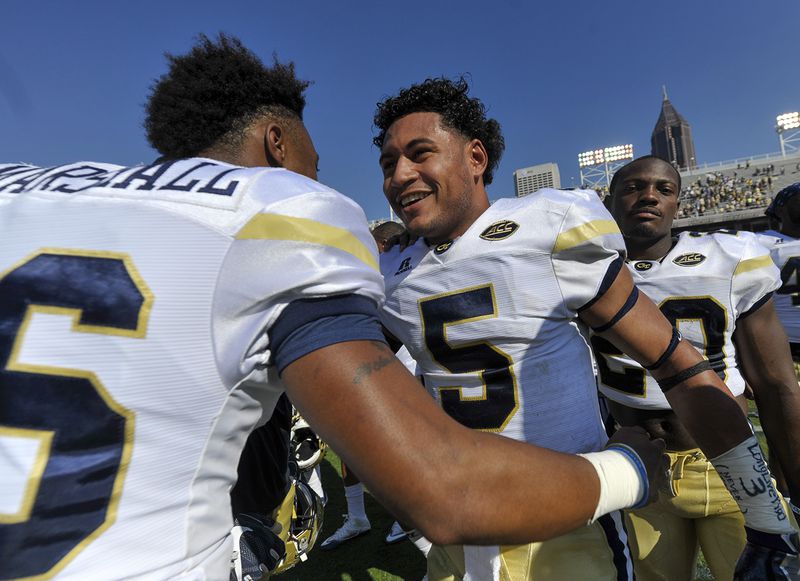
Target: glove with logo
{"points": [[769, 557], [257, 549]]}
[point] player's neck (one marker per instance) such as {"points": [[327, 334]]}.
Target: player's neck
{"points": [[471, 216], [648, 248]]}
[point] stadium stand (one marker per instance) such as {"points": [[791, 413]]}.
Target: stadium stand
{"points": [[734, 193]]}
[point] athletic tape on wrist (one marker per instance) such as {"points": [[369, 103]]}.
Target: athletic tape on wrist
{"points": [[746, 476], [623, 479], [637, 462]]}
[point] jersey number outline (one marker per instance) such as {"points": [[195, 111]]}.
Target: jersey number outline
{"points": [[85, 437], [492, 410], [713, 319]]}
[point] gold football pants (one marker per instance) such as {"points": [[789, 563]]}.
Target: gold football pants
{"points": [[665, 535], [598, 552]]}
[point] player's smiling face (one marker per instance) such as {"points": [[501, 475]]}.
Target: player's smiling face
{"points": [[645, 199], [431, 175]]}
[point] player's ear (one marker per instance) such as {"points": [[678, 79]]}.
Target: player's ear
{"points": [[477, 157], [274, 144]]}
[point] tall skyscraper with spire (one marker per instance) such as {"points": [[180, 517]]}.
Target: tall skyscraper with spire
{"points": [[672, 137]]}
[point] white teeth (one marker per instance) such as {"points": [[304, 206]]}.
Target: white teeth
{"points": [[411, 198]]}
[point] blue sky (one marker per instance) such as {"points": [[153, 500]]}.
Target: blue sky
{"points": [[561, 77]]}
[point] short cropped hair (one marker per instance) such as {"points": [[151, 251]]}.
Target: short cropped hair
{"points": [[386, 230], [621, 171], [459, 112], [212, 94]]}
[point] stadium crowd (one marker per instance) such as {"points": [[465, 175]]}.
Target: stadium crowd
{"points": [[716, 193]]}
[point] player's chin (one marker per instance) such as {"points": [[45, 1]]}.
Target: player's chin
{"points": [[647, 229], [418, 226]]}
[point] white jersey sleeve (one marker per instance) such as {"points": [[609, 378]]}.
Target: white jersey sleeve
{"points": [[305, 246], [785, 252], [588, 251], [755, 278]]}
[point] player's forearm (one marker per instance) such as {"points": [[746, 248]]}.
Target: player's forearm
{"points": [[455, 484], [486, 489], [779, 410], [765, 360], [704, 404]]}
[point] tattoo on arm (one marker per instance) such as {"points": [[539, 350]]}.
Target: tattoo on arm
{"points": [[364, 371]]}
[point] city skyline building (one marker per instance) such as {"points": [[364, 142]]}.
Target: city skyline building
{"points": [[671, 139], [529, 179]]}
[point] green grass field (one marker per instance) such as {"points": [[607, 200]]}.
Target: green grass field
{"points": [[369, 558], [366, 558]]}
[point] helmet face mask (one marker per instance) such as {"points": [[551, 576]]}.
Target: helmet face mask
{"points": [[304, 525], [306, 448]]}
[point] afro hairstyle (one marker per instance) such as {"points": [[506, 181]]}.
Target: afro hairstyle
{"points": [[213, 93]]}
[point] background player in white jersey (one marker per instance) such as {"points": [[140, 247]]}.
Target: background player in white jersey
{"points": [[784, 245], [488, 300], [717, 290], [151, 316]]}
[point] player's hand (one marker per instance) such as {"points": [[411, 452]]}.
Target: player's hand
{"points": [[769, 556], [257, 548], [651, 452], [403, 240]]}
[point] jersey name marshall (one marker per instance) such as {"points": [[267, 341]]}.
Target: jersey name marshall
{"points": [[491, 317], [198, 176], [703, 286]]}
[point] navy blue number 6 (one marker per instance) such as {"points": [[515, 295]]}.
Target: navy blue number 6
{"points": [[84, 438]]}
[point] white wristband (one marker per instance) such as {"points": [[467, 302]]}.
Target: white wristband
{"points": [[623, 482], [747, 478]]}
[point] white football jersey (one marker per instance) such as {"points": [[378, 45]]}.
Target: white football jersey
{"points": [[134, 354], [703, 285], [491, 318], [785, 252]]}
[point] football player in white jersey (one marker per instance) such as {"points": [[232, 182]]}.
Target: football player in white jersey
{"points": [[784, 245], [717, 290], [151, 316], [488, 302]]}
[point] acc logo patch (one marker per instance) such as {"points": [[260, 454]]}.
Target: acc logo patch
{"points": [[689, 259], [641, 266], [500, 230], [443, 247]]}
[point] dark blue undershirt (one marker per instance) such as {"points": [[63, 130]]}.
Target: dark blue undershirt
{"points": [[310, 324]]}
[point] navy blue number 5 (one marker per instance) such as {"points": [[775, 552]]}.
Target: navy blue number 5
{"points": [[492, 410], [82, 436]]}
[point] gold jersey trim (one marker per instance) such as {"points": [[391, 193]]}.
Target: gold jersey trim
{"points": [[584, 232], [752, 264], [276, 227]]}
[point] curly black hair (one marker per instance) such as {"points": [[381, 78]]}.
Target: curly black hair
{"points": [[213, 93], [459, 112]]}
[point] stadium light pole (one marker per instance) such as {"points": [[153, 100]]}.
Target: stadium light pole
{"points": [[788, 127], [598, 165]]}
